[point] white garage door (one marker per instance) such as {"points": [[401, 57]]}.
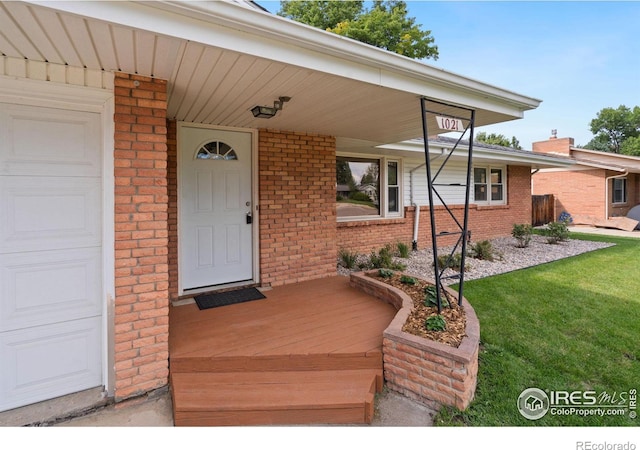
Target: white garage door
{"points": [[50, 253]]}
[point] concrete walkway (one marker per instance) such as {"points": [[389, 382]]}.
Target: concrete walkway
{"points": [[155, 410], [605, 231]]}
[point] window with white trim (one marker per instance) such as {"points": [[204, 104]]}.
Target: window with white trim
{"points": [[393, 187], [489, 185], [368, 188], [619, 190]]}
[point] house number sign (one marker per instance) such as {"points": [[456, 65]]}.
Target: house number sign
{"points": [[448, 123]]}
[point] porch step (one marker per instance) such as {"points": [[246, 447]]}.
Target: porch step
{"points": [[267, 363], [275, 398]]}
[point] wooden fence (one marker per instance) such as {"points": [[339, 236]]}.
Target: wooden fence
{"points": [[542, 209]]}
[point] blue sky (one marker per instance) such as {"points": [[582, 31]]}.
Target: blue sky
{"points": [[576, 56]]}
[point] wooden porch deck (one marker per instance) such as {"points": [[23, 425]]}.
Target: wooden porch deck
{"points": [[310, 353]]}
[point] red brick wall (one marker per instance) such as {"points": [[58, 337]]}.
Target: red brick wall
{"points": [[297, 218], [580, 193], [560, 146], [141, 278], [485, 222], [633, 196], [172, 190]]}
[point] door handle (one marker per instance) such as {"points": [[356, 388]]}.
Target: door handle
{"points": [[249, 218]]}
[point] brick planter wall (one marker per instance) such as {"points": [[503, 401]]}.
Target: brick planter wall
{"points": [[429, 372]]}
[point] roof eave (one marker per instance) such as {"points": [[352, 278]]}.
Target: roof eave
{"points": [[534, 159], [300, 43]]}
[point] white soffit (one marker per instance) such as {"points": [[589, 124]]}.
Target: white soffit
{"points": [[221, 59]]}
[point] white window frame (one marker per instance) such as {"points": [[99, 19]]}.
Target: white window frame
{"points": [[624, 191], [383, 162], [489, 201], [398, 185]]}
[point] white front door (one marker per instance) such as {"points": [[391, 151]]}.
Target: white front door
{"points": [[50, 253], [216, 237]]}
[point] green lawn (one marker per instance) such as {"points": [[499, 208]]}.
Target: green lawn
{"points": [[570, 325]]}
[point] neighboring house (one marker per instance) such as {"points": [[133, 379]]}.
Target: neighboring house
{"points": [[371, 190], [500, 193], [133, 172], [343, 190], [599, 186]]}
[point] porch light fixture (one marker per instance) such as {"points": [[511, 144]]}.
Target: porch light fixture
{"points": [[267, 112]]}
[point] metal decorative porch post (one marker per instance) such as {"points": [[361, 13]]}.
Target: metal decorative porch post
{"points": [[448, 121]]}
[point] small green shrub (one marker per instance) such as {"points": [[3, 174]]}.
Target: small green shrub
{"points": [[383, 259], [557, 232], [359, 196], [483, 250], [407, 280], [403, 250], [450, 261], [348, 259], [435, 323], [385, 273], [522, 233], [431, 297]]}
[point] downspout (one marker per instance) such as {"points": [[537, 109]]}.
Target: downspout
{"points": [[533, 172], [416, 214], [606, 192]]}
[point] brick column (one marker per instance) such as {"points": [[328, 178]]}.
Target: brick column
{"points": [[141, 278], [172, 188], [297, 207]]}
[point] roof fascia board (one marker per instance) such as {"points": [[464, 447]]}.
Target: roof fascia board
{"points": [[234, 27], [484, 153], [606, 154], [596, 165], [580, 168]]}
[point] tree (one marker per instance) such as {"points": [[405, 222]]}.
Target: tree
{"points": [[343, 172], [631, 146], [498, 139], [612, 127], [371, 176], [321, 14], [384, 25], [599, 143]]}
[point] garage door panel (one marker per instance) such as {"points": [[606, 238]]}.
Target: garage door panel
{"points": [[49, 361], [45, 287], [47, 213], [51, 250], [49, 142]]}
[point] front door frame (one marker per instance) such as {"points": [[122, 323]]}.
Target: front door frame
{"points": [[254, 202]]}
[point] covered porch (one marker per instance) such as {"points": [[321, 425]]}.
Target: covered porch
{"points": [[310, 353]]}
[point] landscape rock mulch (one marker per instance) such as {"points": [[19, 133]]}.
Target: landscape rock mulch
{"points": [[508, 258]]}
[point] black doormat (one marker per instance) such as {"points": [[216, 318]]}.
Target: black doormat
{"points": [[206, 301]]}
